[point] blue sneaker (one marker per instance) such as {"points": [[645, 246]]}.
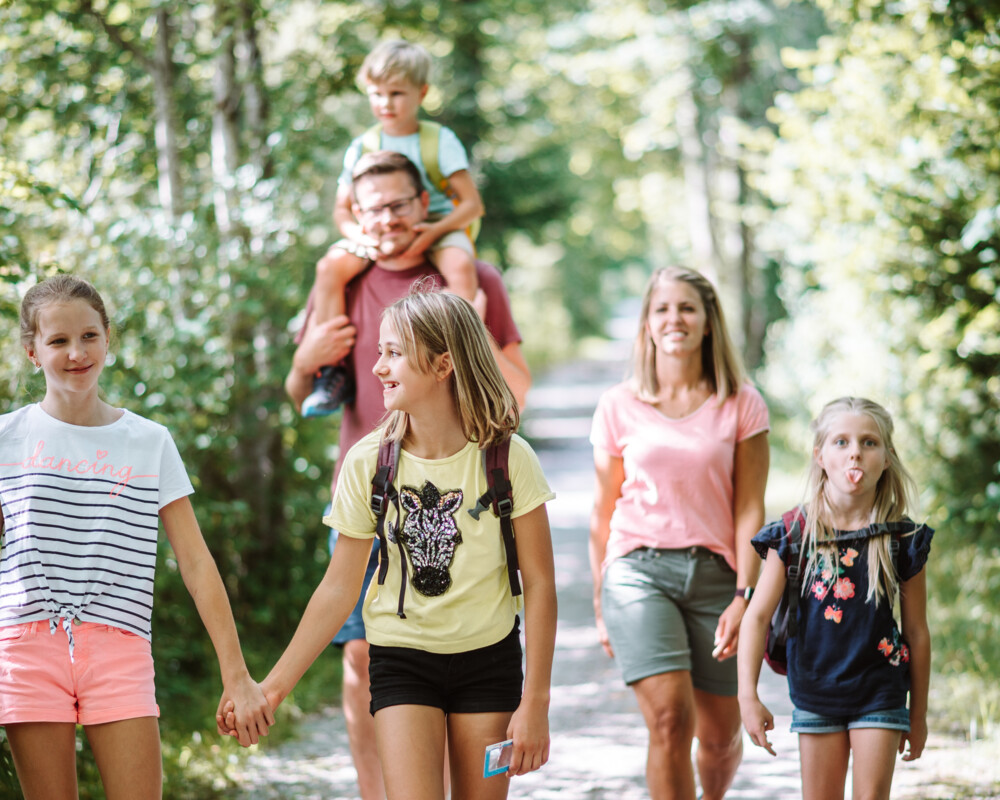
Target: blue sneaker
{"points": [[332, 387]]}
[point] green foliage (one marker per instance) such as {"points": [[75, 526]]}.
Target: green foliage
{"points": [[884, 174], [835, 167]]}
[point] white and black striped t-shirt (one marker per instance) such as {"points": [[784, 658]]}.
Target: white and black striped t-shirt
{"points": [[81, 517]]}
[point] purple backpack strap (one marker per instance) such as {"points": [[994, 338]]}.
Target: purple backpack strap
{"points": [[383, 493], [499, 496]]}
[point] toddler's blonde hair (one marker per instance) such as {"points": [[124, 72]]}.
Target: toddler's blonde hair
{"points": [[396, 59]]}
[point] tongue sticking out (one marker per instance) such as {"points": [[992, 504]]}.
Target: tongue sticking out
{"points": [[854, 475]]}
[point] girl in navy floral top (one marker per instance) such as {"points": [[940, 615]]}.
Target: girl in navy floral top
{"points": [[850, 667]]}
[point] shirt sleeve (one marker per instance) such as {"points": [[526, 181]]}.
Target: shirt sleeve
{"points": [[604, 432], [174, 481], [752, 416], [771, 537], [914, 549], [529, 486], [452, 157], [351, 513]]}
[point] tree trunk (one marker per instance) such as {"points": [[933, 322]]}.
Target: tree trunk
{"points": [[167, 156], [697, 191], [255, 103], [225, 128]]}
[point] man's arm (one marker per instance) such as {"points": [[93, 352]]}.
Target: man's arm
{"points": [[510, 358], [514, 369]]}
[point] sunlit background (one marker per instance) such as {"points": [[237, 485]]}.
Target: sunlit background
{"points": [[834, 167]]}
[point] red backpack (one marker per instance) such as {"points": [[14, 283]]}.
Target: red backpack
{"points": [[785, 620]]}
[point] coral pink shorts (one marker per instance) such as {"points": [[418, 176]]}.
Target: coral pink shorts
{"points": [[109, 679]]}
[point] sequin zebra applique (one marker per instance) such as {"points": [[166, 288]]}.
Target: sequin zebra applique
{"points": [[430, 535]]}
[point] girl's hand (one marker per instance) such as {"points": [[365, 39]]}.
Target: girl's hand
{"points": [[917, 737], [758, 721], [529, 728], [247, 715], [225, 719], [727, 634]]}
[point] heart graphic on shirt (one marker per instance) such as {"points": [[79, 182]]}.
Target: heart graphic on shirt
{"points": [[101, 454]]}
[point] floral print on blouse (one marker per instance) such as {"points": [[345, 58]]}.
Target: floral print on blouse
{"points": [[849, 656]]}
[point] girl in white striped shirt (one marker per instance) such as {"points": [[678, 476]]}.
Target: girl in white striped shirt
{"points": [[83, 487]]}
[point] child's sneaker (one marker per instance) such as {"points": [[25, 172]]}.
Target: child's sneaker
{"points": [[332, 387]]}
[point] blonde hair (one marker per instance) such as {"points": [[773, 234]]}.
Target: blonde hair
{"points": [[57, 289], [894, 494], [720, 362], [396, 59], [430, 323]]}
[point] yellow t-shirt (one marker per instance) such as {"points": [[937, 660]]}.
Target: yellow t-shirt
{"points": [[458, 595]]}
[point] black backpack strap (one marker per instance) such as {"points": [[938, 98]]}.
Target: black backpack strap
{"points": [[499, 496], [793, 521], [383, 493], [896, 529]]}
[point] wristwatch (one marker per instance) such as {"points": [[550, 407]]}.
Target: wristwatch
{"points": [[746, 593]]}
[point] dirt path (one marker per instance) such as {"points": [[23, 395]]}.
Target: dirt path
{"points": [[598, 737]]}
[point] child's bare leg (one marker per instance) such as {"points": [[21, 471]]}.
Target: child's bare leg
{"points": [[334, 271], [824, 758], [128, 757], [875, 751], [333, 386], [45, 758], [458, 270], [411, 748], [468, 736], [360, 725]]}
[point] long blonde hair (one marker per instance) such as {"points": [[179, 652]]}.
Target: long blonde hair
{"points": [[894, 494], [720, 362], [430, 323]]}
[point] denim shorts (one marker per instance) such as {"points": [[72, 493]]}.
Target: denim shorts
{"points": [[661, 608], [895, 719], [474, 682], [354, 626]]}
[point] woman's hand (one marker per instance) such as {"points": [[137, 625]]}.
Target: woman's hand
{"points": [[602, 631], [727, 633]]}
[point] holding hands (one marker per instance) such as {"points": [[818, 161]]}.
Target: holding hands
{"points": [[245, 712]]}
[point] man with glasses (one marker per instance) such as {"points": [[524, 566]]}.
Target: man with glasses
{"points": [[390, 204]]}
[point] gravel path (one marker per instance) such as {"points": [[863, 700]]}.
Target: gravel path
{"points": [[598, 737]]}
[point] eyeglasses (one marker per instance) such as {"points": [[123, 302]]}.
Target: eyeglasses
{"points": [[396, 209]]}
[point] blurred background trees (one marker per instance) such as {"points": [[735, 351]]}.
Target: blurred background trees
{"points": [[834, 166]]}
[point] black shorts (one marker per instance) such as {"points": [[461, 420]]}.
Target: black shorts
{"points": [[474, 682]]}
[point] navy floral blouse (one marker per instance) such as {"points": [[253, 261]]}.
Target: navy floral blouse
{"points": [[848, 657]]}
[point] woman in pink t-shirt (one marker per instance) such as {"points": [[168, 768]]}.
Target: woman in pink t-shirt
{"points": [[681, 456]]}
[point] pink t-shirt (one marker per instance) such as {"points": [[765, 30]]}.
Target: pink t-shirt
{"points": [[678, 489]]}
